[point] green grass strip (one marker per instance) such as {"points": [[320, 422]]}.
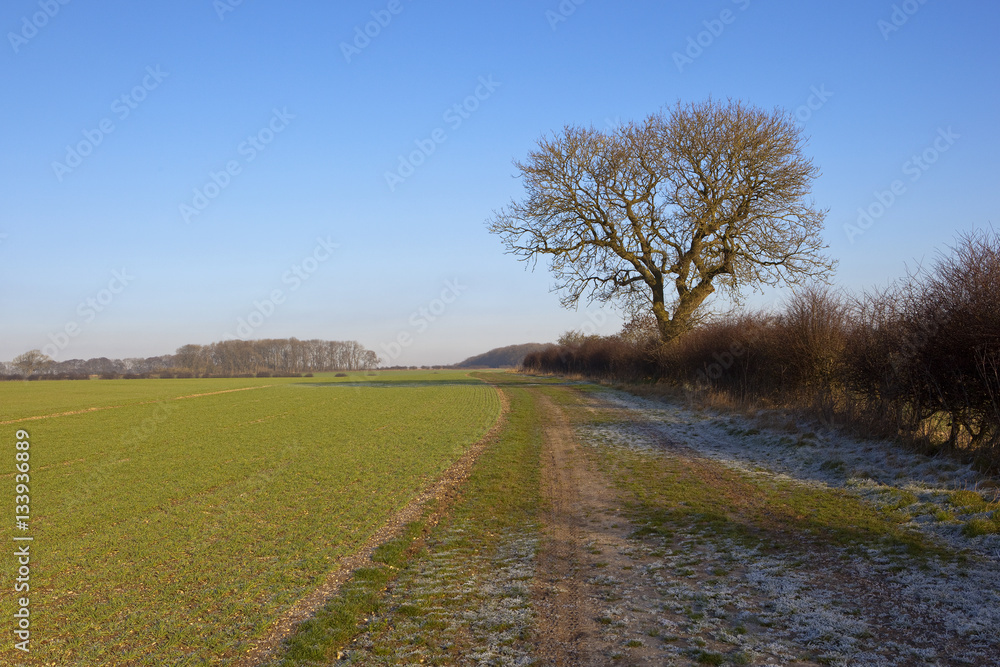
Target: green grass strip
{"points": [[501, 493], [669, 490], [317, 639]]}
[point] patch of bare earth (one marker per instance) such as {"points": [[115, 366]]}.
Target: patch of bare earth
{"points": [[585, 556]]}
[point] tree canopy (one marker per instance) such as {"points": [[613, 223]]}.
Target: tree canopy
{"points": [[31, 362], [657, 215]]}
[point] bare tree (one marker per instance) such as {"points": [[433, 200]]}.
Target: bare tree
{"points": [[31, 362], [190, 357], [661, 213]]}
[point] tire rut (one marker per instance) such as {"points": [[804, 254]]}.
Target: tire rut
{"points": [[585, 551]]}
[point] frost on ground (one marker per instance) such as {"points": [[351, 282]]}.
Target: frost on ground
{"points": [[698, 598], [456, 605], [881, 472]]}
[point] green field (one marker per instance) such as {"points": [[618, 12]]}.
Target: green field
{"points": [[182, 518]]}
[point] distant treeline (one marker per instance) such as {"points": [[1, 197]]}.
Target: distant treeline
{"points": [[919, 359], [231, 358]]}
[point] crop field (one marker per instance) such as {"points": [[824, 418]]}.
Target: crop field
{"points": [[177, 522], [180, 518]]}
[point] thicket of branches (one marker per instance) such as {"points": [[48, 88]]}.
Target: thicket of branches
{"points": [[919, 359], [664, 212]]}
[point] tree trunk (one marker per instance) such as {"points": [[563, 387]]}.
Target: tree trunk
{"points": [[672, 325]]}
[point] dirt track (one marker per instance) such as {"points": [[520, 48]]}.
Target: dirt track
{"points": [[607, 597], [567, 628], [599, 593], [585, 557]]}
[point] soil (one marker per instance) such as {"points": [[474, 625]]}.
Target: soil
{"points": [[585, 545]]}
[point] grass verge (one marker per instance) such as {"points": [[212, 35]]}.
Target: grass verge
{"points": [[670, 489], [319, 639], [452, 589]]}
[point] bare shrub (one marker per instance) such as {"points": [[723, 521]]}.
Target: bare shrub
{"points": [[875, 367], [919, 358], [957, 305], [813, 329]]}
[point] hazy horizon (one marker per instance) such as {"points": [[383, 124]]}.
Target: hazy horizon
{"points": [[174, 352]]}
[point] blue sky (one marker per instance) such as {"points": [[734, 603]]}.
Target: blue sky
{"points": [[278, 139]]}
